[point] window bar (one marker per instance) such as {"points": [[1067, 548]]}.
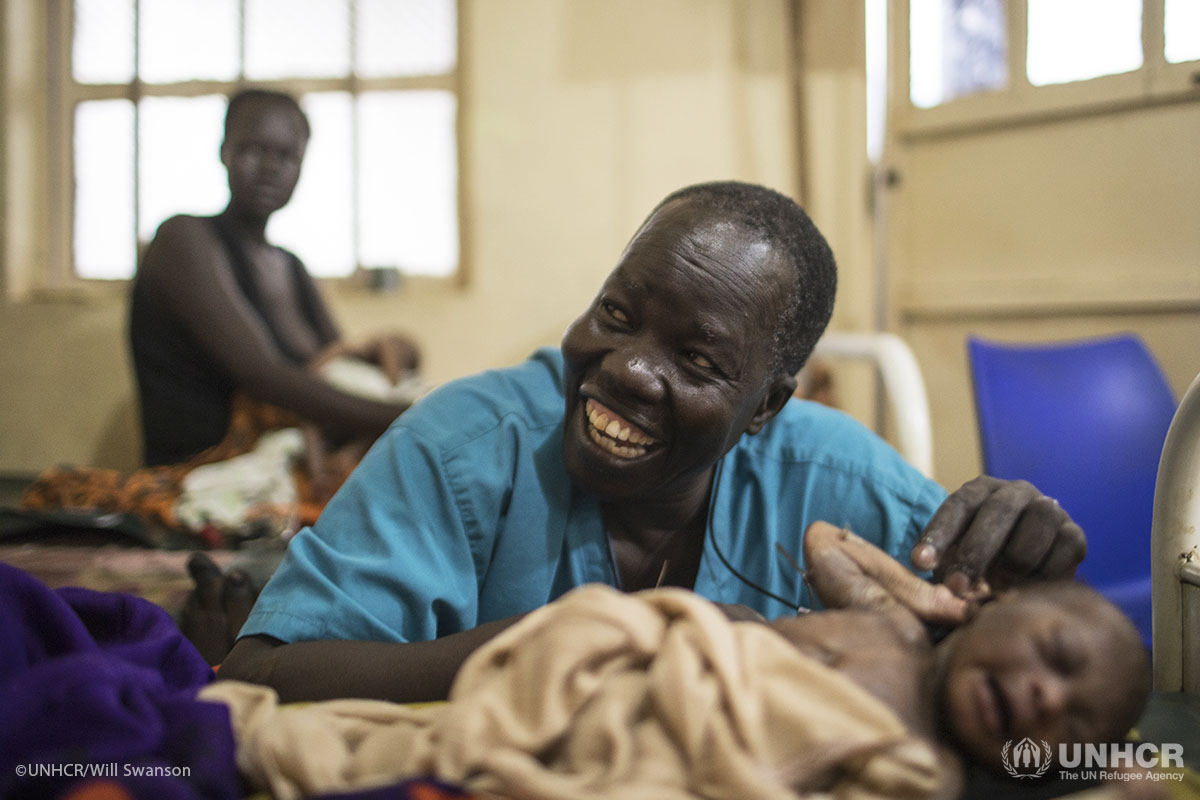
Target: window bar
{"points": [[135, 96], [355, 154], [1018, 48], [241, 43], [1154, 38], [60, 122]]}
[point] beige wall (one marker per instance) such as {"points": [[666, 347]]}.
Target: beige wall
{"points": [[1067, 228], [580, 115], [834, 176]]}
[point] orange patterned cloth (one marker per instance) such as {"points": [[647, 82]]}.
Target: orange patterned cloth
{"points": [[150, 493]]}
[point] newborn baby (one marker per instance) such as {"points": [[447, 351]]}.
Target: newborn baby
{"points": [[1054, 662]]}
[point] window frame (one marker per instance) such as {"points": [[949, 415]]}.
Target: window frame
{"points": [[1156, 82], [63, 94]]}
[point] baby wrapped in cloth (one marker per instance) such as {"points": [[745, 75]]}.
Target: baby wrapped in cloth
{"points": [[601, 694]]}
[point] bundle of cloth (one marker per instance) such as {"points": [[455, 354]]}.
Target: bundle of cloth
{"points": [[254, 484], [653, 696]]}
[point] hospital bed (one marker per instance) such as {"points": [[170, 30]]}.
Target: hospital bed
{"points": [[1173, 714], [903, 386], [1175, 539]]}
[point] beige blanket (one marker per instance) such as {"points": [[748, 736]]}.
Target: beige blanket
{"points": [[602, 695]]}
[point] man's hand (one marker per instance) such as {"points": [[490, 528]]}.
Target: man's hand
{"points": [[992, 533]]}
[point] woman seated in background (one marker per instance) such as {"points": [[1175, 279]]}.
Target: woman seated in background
{"points": [[217, 310]]}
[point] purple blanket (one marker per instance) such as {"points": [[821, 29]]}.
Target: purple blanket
{"points": [[99, 688], [98, 701]]}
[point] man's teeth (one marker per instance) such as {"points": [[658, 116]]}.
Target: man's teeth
{"points": [[612, 427], [606, 431]]}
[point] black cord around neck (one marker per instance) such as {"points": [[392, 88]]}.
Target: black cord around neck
{"points": [[712, 537]]}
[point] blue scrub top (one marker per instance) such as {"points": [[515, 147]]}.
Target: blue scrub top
{"points": [[463, 512]]}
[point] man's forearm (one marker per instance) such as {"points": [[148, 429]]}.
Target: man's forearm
{"points": [[328, 669]]}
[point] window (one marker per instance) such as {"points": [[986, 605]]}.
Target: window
{"points": [[1181, 19], [958, 48], [143, 99], [973, 60], [1060, 48]]}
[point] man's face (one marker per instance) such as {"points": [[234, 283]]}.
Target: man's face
{"points": [[1033, 667], [671, 364], [262, 155]]}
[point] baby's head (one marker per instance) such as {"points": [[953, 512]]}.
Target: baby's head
{"points": [[1054, 662]]}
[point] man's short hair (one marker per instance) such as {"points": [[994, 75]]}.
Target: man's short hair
{"points": [[788, 230], [251, 97]]}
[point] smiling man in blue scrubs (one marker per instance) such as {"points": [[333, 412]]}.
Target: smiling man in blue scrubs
{"points": [[658, 446]]}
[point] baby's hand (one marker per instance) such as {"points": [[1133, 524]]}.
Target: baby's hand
{"points": [[393, 353], [847, 571]]}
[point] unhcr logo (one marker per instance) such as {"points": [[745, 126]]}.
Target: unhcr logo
{"points": [[1125, 754], [1126, 761], [1027, 758]]}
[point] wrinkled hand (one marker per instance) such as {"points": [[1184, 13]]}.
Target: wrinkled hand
{"points": [[846, 571], [992, 534]]}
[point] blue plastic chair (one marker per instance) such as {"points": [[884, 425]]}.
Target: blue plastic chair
{"points": [[1084, 421]]}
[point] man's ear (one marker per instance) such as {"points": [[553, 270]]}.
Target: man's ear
{"points": [[775, 397]]}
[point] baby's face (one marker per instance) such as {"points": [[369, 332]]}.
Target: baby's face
{"points": [[1055, 667]]}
